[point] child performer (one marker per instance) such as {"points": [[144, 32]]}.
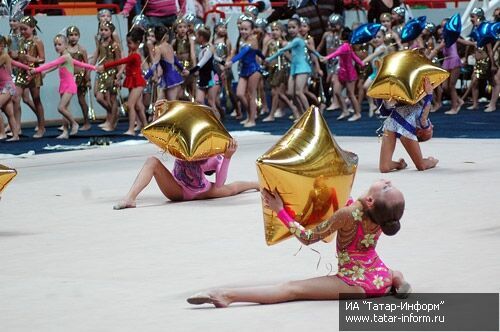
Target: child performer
{"points": [[249, 71], [134, 81], [402, 122], [8, 90], [361, 272], [184, 49], [32, 53], [67, 85], [300, 68], [374, 60], [187, 181], [278, 70], [82, 76], [206, 72], [170, 79], [347, 72], [105, 89]]}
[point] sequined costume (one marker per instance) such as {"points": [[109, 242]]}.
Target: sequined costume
{"points": [[133, 71], [402, 119], [332, 41], [170, 77], [67, 82], [358, 261], [451, 58], [23, 79], [381, 51], [247, 56], [80, 74], [6, 84], [299, 64], [191, 175], [181, 47], [279, 69], [482, 66], [347, 72], [362, 52], [106, 80]]}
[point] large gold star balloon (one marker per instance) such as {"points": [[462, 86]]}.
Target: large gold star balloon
{"points": [[310, 171], [6, 175], [401, 77], [186, 130]]}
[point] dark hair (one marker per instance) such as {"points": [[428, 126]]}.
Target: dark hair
{"points": [[386, 216], [160, 32], [205, 33], [136, 35], [3, 41], [345, 34], [294, 19]]}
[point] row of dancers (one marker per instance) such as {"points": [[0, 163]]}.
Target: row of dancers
{"points": [[198, 66]]}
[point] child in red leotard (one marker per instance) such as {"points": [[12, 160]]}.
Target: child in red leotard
{"points": [[133, 80]]}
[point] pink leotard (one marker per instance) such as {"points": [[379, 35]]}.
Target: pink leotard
{"points": [[347, 71], [6, 84], [66, 65], [451, 57], [358, 262], [190, 175]]}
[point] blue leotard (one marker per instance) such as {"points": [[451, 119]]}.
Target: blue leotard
{"points": [[170, 77], [299, 63], [249, 64]]}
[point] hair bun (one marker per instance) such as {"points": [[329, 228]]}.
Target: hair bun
{"points": [[391, 227]]}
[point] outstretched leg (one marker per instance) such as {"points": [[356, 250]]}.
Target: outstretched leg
{"points": [[165, 180], [321, 288], [231, 189]]}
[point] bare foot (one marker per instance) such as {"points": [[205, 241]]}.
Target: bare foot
{"points": [[74, 129], [452, 111], [39, 133], [343, 115], [60, 128], [64, 135], [268, 118], [435, 108], [249, 124], [104, 124], [490, 109], [432, 162], [213, 297], [402, 164], [355, 117], [107, 128], [85, 127], [129, 133], [14, 138], [473, 107], [279, 113], [3, 137], [124, 205], [244, 121]]}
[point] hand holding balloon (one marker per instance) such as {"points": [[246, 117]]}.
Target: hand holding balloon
{"points": [[230, 149], [272, 200], [428, 86]]}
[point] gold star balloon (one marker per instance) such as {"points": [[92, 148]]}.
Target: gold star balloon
{"points": [[186, 130], [6, 175], [310, 171], [401, 77]]}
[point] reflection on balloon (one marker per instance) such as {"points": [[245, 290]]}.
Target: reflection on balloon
{"points": [[401, 77], [310, 171], [186, 130], [452, 30], [484, 34], [6, 175], [364, 33], [413, 28]]}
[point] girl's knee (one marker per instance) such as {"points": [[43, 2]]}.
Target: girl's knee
{"points": [[152, 162]]}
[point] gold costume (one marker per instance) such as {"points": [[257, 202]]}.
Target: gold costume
{"points": [[80, 77], [278, 71], [106, 79], [23, 78]]}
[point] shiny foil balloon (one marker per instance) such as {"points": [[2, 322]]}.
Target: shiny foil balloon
{"points": [[401, 77], [484, 34], [188, 131], [452, 30], [412, 29], [495, 29], [6, 175], [313, 175], [140, 21], [364, 33]]}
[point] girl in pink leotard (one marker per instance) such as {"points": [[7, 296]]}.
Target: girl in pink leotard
{"points": [[347, 73], [188, 180], [361, 272], [67, 84]]}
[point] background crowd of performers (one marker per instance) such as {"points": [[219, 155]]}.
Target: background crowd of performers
{"points": [[281, 69]]}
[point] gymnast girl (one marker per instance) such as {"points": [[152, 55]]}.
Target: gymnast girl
{"points": [[8, 91], [184, 48], [82, 76], [249, 70], [402, 122], [32, 53], [300, 69], [188, 179], [347, 72], [67, 84], [108, 49], [134, 81], [361, 272], [374, 60], [170, 80]]}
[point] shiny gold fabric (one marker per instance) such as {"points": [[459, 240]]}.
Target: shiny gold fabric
{"points": [[23, 79], [6, 175]]}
